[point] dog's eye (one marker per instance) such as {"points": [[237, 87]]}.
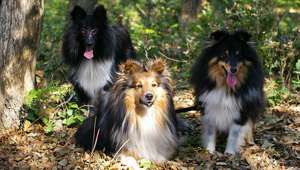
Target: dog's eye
{"points": [[139, 86], [83, 31], [226, 54], [154, 85], [94, 31]]}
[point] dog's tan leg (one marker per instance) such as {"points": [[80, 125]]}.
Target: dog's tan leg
{"points": [[250, 133]]}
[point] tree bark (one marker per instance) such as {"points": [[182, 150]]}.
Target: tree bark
{"points": [[20, 26], [190, 10]]}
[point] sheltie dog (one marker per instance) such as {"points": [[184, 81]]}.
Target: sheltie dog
{"points": [[93, 50], [138, 111], [228, 81]]}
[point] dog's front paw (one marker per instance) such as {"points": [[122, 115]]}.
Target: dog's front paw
{"points": [[211, 150], [130, 162], [251, 143], [229, 151]]}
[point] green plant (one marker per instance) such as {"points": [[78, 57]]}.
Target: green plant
{"points": [[296, 80], [48, 105], [73, 114], [277, 94], [147, 164], [49, 58], [51, 92]]}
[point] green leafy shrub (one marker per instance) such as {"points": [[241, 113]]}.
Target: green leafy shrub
{"points": [[48, 105]]}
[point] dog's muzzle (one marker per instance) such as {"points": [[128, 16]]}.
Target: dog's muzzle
{"points": [[147, 99]]}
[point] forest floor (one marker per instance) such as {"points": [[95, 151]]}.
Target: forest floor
{"points": [[276, 135]]}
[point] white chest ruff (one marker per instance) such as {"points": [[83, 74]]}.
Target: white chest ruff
{"points": [[221, 109], [151, 141], [93, 76]]}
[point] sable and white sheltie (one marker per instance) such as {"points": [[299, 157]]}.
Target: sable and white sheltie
{"points": [[93, 50], [139, 110], [228, 81]]}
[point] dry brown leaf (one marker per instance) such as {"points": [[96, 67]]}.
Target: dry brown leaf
{"points": [[18, 158], [115, 167], [39, 73], [34, 167], [173, 167], [280, 108], [38, 127], [38, 143], [86, 156], [46, 165], [26, 126], [219, 154], [285, 138], [254, 149], [63, 162], [245, 154], [296, 148]]}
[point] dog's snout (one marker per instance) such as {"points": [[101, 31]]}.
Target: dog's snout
{"points": [[149, 96], [233, 69], [89, 43]]}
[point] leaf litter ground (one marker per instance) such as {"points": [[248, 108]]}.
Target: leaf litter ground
{"points": [[276, 134]]}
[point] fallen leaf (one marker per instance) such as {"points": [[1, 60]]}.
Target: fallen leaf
{"points": [[254, 149], [46, 165], [285, 138], [39, 73], [219, 154], [279, 108], [26, 125], [18, 158], [267, 144], [63, 162], [296, 148], [38, 127]]}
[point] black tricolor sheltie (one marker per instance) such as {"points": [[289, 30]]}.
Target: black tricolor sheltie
{"points": [[92, 50], [228, 81], [138, 109]]}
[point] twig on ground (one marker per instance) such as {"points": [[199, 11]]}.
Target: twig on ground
{"points": [[72, 95]]}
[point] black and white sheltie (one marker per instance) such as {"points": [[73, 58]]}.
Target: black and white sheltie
{"points": [[139, 110], [228, 81], [92, 50]]}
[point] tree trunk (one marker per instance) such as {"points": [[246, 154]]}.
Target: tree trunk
{"points": [[190, 10], [20, 26]]}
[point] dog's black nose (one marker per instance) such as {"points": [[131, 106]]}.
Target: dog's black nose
{"points": [[233, 69], [149, 96]]}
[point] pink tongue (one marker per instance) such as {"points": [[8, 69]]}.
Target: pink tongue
{"points": [[88, 53], [231, 79]]}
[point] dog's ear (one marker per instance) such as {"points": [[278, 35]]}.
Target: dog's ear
{"points": [[243, 36], [219, 35], [157, 66], [100, 13], [130, 67], [216, 37], [78, 13]]}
